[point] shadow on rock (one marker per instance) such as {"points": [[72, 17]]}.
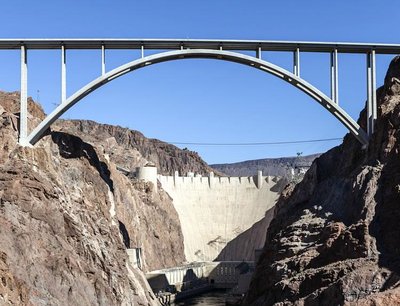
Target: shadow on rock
{"points": [[71, 146]]}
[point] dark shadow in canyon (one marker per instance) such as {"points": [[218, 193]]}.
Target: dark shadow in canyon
{"points": [[244, 245], [124, 234], [71, 146]]}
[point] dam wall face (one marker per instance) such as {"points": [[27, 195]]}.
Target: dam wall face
{"points": [[215, 210]]}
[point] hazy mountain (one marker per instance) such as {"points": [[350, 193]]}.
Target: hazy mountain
{"points": [[269, 166]]}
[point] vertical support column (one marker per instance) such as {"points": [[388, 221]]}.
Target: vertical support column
{"points": [[332, 68], [142, 48], [373, 87], [334, 77], [296, 62], [103, 60], [23, 114], [258, 53], [371, 93], [63, 74]]}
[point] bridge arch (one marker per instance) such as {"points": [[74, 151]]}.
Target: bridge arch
{"points": [[236, 57]]}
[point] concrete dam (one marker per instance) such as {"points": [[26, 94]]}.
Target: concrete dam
{"points": [[213, 211]]}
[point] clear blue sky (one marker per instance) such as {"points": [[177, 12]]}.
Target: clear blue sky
{"points": [[202, 100]]}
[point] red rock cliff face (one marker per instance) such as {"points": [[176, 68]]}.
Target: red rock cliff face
{"points": [[61, 205], [335, 237]]}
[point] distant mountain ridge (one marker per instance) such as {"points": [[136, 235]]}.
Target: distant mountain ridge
{"points": [[269, 166]]}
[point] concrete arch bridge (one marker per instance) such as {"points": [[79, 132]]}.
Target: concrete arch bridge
{"points": [[228, 50]]}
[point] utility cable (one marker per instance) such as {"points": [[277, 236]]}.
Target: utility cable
{"points": [[254, 143]]}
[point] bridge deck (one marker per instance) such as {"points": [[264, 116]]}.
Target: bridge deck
{"points": [[172, 44]]}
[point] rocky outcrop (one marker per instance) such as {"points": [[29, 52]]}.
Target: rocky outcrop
{"points": [[135, 149], [335, 237], [146, 218], [67, 216]]}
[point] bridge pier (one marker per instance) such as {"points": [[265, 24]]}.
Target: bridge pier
{"points": [[258, 53], [103, 60], [296, 62], [23, 114], [371, 93], [334, 77], [63, 74]]}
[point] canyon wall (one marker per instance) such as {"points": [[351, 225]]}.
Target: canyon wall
{"points": [[68, 216], [334, 239], [134, 148]]}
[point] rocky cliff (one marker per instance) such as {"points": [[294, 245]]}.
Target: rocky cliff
{"points": [[134, 149], [67, 217], [335, 237]]}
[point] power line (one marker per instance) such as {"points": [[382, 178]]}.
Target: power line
{"points": [[254, 143]]}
